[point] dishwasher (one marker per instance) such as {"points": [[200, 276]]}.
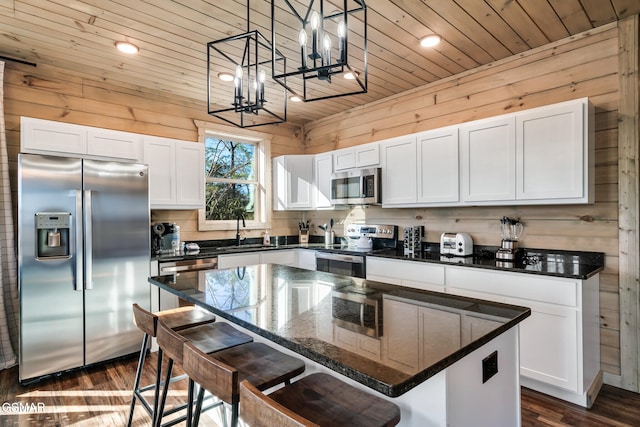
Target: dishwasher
{"points": [[163, 300]]}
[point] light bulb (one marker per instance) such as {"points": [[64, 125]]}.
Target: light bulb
{"points": [[315, 20], [327, 42], [302, 37], [342, 29], [262, 76], [239, 72], [430, 40]]}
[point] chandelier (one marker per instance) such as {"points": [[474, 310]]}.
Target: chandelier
{"points": [[239, 71], [325, 45]]}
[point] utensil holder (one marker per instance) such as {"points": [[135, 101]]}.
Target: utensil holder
{"points": [[303, 237]]}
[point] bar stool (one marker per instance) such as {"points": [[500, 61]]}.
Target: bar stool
{"points": [[209, 338], [220, 373], [147, 322], [315, 400]]}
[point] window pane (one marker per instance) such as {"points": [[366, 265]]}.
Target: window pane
{"points": [[229, 159], [225, 201]]}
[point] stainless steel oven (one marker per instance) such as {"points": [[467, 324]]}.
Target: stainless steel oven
{"points": [[358, 309], [348, 265]]}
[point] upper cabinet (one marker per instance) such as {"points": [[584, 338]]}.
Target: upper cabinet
{"points": [[293, 186], [176, 168], [554, 147], [421, 169], [366, 155], [322, 170], [488, 160], [56, 138], [539, 156], [176, 173]]}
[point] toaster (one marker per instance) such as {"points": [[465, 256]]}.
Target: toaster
{"points": [[457, 244]]}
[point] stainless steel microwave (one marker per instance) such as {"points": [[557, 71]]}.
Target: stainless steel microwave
{"points": [[356, 187]]}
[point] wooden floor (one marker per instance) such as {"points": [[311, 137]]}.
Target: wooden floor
{"points": [[101, 396]]}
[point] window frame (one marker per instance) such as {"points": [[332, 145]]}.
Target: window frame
{"points": [[263, 171]]}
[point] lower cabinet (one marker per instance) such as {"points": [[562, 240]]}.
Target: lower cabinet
{"points": [[560, 341], [412, 274], [283, 257], [410, 331], [306, 259]]}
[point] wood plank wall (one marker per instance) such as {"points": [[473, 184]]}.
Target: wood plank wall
{"points": [[51, 93], [585, 65]]}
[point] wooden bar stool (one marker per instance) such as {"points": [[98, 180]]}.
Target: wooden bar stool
{"points": [[210, 338], [220, 373], [315, 400], [147, 322]]}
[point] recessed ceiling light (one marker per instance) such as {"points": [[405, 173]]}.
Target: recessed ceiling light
{"points": [[430, 40], [226, 77], [294, 98], [350, 76], [127, 47]]}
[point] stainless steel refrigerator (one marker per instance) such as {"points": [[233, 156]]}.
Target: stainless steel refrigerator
{"points": [[83, 260]]}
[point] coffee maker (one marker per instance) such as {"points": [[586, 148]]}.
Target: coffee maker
{"points": [[511, 230], [165, 238]]}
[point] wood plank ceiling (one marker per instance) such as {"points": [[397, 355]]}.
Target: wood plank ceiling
{"points": [[79, 36]]}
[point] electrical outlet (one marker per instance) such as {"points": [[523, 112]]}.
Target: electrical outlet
{"points": [[489, 366]]}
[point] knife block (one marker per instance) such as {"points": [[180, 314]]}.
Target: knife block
{"points": [[303, 237]]}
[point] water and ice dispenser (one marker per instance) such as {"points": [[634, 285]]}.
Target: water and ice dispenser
{"points": [[53, 235]]}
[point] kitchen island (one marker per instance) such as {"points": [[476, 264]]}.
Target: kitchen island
{"points": [[445, 360]]}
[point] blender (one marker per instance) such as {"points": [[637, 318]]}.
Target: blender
{"points": [[511, 230]]}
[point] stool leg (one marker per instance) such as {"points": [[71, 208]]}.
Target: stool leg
{"points": [[136, 383], [156, 396], [190, 403], [158, 418], [196, 414], [234, 414]]}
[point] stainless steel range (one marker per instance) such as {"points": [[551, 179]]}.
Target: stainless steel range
{"points": [[362, 239]]}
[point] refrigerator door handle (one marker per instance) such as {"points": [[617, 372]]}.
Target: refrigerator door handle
{"points": [[88, 244], [78, 248]]}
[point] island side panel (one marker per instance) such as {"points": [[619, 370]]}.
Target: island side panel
{"points": [[496, 402]]}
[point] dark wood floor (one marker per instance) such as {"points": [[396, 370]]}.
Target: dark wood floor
{"points": [[101, 396]]}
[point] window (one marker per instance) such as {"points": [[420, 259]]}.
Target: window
{"points": [[235, 182]]}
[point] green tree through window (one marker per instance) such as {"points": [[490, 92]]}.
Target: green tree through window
{"points": [[231, 179]]}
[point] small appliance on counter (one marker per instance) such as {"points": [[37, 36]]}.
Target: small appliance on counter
{"points": [[511, 230], [165, 238], [456, 244], [413, 239]]}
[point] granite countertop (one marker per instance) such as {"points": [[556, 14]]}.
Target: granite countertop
{"points": [[568, 264], [294, 308]]}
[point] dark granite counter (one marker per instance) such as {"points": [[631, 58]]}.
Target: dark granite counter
{"points": [[299, 309], [567, 264]]}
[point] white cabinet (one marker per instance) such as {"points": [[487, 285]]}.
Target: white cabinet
{"points": [[437, 157], [176, 173], [410, 331], [552, 160], [238, 260], [293, 182], [412, 274], [322, 170], [306, 259], [559, 342], [487, 160], [366, 155], [56, 138], [398, 159], [543, 155], [114, 144], [283, 257], [421, 169]]}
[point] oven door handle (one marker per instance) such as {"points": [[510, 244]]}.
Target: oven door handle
{"points": [[362, 315]]}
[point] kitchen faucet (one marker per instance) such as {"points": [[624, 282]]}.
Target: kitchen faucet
{"points": [[240, 217]]}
